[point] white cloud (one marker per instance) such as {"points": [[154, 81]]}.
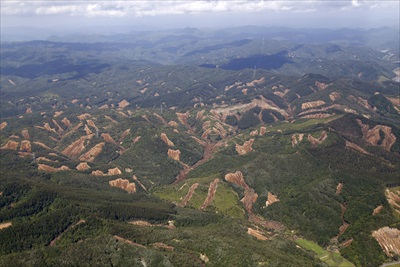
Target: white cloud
{"points": [[152, 8], [286, 10]]}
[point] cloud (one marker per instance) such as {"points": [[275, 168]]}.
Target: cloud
{"points": [[223, 12], [106, 8]]}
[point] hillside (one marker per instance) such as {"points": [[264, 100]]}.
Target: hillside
{"points": [[193, 149]]}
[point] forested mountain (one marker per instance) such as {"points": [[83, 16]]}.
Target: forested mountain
{"points": [[245, 146]]}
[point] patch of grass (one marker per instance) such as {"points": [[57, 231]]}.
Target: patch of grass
{"points": [[226, 201], [330, 258]]}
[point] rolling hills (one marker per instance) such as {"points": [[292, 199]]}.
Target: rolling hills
{"points": [[134, 153]]}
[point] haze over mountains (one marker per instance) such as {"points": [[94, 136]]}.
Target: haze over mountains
{"points": [[241, 146]]}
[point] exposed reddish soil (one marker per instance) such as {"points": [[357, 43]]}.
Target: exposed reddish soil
{"points": [[160, 118], [90, 155], [183, 117], [199, 141], [393, 199], [84, 116], [220, 129], [312, 104], [244, 91], [87, 130], [318, 115], [361, 101], [41, 144], [323, 110], [174, 154], [339, 188], [114, 171], [58, 113], [389, 240], [45, 159], [395, 101], [137, 138], [82, 166], [111, 119], [189, 195], [254, 133], [256, 82], [257, 234], [296, 139], [59, 129], [108, 138], [316, 141], [124, 134], [346, 243], [262, 103], [91, 124], [28, 111], [357, 148], [344, 225], [43, 167], [250, 197], [334, 96], [141, 185], [123, 184], [74, 149], [47, 127], [245, 148], [123, 114], [199, 115], [26, 146], [205, 134], [25, 134], [209, 149], [12, 145], [127, 241], [123, 104], [3, 125], [237, 179], [168, 142], [263, 130], [373, 137], [66, 122], [147, 224], [321, 86], [173, 124], [271, 199], [105, 106], [5, 225], [377, 210], [211, 194], [110, 172]]}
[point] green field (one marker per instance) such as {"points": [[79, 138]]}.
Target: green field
{"points": [[330, 258]]}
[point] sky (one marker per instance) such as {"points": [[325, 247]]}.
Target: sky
{"points": [[62, 16]]}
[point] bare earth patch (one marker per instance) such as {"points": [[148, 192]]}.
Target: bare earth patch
{"points": [[5, 225], [245, 148], [256, 233], [166, 140], [123, 184], [389, 239], [189, 195], [211, 194]]}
